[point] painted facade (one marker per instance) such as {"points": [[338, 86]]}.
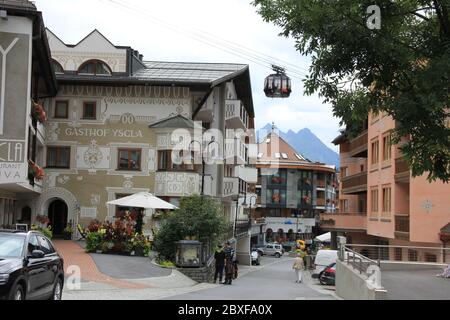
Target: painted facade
{"points": [[110, 127]]}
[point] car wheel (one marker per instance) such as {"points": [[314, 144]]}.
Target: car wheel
{"points": [[57, 290], [17, 293], [277, 255]]}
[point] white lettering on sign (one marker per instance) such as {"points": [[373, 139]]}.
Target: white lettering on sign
{"points": [[4, 53], [12, 172], [116, 133], [11, 151]]}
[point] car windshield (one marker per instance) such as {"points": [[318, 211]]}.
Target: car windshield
{"points": [[11, 246]]}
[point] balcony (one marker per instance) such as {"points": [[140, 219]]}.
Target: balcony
{"points": [[355, 184], [235, 152], [402, 227], [233, 186], [180, 184], [358, 146], [402, 173], [344, 221], [236, 116]]}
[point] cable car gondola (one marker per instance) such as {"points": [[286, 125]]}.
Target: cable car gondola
{"points": [[277, 85]]}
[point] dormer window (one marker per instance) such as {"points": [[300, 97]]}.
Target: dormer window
{"points": [[57, 67], [95, 67]]}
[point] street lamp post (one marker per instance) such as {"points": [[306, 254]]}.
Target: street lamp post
{"points": [[203, 161]]}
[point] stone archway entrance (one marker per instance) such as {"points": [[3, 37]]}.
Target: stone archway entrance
{"points": [[58, 216]]}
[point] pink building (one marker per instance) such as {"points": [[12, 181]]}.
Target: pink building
{"points": [[380, 202]]}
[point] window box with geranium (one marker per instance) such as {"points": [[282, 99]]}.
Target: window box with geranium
{"points": [[34, 171], [276, 198], [38, 112]]}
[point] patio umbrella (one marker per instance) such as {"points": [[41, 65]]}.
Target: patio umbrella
{"points": [[326, 237], [143, 200]]}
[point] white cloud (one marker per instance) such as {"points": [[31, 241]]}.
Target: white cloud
{"points": [[232, 20]]}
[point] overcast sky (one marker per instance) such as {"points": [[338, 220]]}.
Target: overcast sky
{"points": [[231, 20]]}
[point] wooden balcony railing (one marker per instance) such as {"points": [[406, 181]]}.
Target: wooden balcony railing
{"points": [[358, 146], [401, 170], [355, 184], [402, 227]]}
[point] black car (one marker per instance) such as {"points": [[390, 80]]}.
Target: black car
{"points": [[30, 267], [328, 275]]}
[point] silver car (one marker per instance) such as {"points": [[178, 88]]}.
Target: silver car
{"points": [[272, 249]]}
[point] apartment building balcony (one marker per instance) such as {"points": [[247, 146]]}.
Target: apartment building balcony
{"points": [[402, 172], [181, 184], [344, 221], [236, 116], [358, 146], [355, 183], [402, 226], [235, 152], [233, 187]]}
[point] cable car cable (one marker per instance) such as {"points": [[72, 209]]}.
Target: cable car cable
{"points": [[240, 53]]}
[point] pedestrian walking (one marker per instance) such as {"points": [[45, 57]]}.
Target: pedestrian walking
{"points": [[298, 268], [219, 257]]}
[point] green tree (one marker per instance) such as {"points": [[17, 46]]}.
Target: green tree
{"points": [[402, 69], [197, 217]]}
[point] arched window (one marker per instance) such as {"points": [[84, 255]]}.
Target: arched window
{"points": [[57, 67], [95, 67]]}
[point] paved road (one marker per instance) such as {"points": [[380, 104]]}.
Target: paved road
{"points": [[274, 280], [127, 267], [416, 285]]}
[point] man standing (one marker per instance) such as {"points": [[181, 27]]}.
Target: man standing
{"points": [[229, 268], [219, 256]]}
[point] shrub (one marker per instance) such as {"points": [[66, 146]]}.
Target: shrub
{"points": [[94, 241], [197, 217], [47, 231]]}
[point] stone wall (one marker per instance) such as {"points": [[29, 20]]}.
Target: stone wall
{"points": [[205, 274]]}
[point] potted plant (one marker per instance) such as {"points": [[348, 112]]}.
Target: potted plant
{"points": [[38, 112], [68, 233], [141, 245]]}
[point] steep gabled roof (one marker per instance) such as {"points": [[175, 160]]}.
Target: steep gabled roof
{"points": [[273, 145]]}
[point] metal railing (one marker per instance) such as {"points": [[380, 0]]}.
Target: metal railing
{"points": [[357, 260], [402, 253]]}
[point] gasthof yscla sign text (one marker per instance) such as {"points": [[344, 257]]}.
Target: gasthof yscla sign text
{"points": [[91, 132]]}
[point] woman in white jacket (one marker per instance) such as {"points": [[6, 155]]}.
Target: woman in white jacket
{"points": [[298, 268]]}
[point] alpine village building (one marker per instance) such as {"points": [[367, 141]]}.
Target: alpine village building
{"points": [[102, 123], [381, 203], [292, 191]]}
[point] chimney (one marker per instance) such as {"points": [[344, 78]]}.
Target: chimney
{"points": [[141, 57]]}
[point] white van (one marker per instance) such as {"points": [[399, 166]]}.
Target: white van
{"points": [[323, 259]]}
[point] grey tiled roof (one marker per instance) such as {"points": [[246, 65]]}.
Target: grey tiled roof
{"points": [[188, 72]]}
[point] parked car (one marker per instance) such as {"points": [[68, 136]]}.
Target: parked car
{"points": [[256, 256], [273, 249], [328, 275], [30, 267], [322, 260]]}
